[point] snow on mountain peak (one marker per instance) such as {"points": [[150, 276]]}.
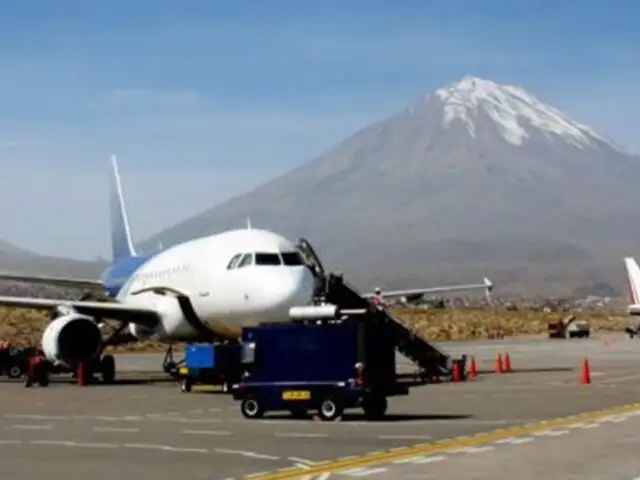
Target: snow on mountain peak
{"points": [[507, 105]]}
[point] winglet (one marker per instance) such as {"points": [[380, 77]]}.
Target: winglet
{"points": [[121, 244]]}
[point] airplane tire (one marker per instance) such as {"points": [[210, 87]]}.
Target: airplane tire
{"points": [[108, 369]]}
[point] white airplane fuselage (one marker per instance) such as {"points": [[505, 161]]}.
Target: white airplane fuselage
{"points": [[260, 288]]}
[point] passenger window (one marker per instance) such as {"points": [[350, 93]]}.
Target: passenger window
{"points": [[291, 258], [234, 261], [267, 259], [247, 260]]}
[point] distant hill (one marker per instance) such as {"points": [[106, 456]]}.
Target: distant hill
{"points": [[17, 260], [473, 178]]}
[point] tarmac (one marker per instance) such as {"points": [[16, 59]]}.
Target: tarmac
{"points": [[152, 430]]}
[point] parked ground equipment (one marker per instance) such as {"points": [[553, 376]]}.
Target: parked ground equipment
{"points": [[327, 367], [210, 364], [569, 327]]}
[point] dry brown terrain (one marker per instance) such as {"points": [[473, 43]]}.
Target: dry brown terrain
{"points": [[24, 327]]}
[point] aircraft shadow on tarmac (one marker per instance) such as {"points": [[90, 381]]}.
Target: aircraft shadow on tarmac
{"points": [[116, 383], [390, 417], [529, 370]]}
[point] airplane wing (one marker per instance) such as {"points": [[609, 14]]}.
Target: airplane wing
{"points": [[55, 281], [486, 285], [117, 311]]}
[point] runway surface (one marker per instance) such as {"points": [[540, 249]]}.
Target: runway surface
{"points": [[154, 431]]}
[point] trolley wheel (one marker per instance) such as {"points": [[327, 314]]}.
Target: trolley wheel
{"points": [[186, 385], [108, 369], [14, 371], [330, 409], [375, 408], [251, 408]]}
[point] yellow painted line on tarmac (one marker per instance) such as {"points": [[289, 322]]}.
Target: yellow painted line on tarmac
{"points": [[443, 446]]}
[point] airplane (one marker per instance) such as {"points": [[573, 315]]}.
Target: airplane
{"points": [[633, 275], [200, 290]]}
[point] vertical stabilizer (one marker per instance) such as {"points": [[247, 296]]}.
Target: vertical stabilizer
{"points": [[121, 245], [633, 272]]}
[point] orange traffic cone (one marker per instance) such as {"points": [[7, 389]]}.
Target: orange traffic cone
{"points": [[473, 368], [585, 377], [456, 377], [499, 365], [507, 363]]}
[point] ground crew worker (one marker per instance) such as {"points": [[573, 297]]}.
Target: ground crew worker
{"points": [[378, 299], [4, 354]]}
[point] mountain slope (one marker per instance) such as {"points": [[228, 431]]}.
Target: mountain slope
{"points": [[17, 260], [8, 248], [474, 176]]}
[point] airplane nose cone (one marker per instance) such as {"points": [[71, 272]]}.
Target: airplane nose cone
{"points": [[293, 288]]}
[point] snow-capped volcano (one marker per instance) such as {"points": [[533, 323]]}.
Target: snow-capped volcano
{"points": [[514, 110], [474, 173]]}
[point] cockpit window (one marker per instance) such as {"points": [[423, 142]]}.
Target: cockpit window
{"points": [[267, 259], [233, 263], [291, 258], [247, 260]]}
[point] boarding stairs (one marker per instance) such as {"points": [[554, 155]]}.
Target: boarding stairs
{"points": [[432, 361]]}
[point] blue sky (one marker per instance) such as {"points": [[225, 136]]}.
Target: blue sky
{"points": [[203, 100]]}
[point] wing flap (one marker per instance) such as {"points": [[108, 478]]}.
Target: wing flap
{"points": [[116, 311], [54, 281]]}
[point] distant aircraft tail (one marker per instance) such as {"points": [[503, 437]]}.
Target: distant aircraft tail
{"points": [[121, 244], [633, 274]]}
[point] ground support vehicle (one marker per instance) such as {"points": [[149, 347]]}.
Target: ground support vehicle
{"points": [[327, 367], [210, 364]]}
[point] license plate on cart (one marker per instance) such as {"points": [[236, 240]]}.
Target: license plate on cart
{"points": [[296, 395]]}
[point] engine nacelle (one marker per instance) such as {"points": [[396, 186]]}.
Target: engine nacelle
{"points": [[71, 339]]}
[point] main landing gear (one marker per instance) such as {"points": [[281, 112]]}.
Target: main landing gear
{"points": [[102, 367]]}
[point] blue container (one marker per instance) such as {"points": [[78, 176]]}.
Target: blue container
{"points": [[200, 356]]}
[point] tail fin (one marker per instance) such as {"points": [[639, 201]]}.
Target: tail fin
{"points": [[121, 245], [633, 273]]}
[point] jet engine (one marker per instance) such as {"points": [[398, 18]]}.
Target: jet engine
{"points": [[71, 338]]}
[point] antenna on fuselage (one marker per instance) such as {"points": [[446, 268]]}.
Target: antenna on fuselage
{"points": [[248, 223]]}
